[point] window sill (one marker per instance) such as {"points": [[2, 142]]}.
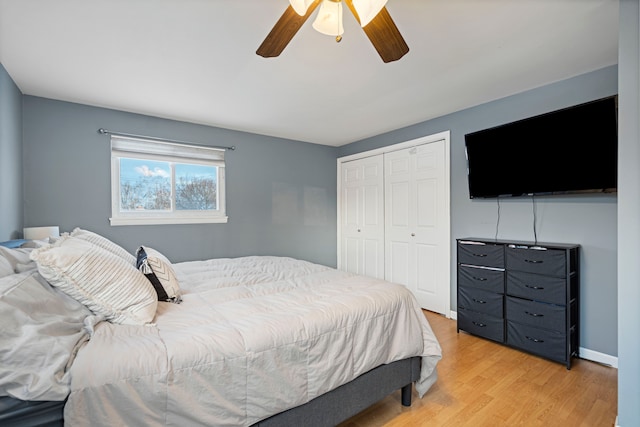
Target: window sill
{"points": [[160, 221]]}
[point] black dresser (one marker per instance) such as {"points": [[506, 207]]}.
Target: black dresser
{"points": [[522, 294]]}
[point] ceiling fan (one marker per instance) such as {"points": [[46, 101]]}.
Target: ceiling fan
{"points": [[371, 14]]}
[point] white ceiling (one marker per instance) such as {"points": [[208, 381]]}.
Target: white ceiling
{"points": [[195, 61]]}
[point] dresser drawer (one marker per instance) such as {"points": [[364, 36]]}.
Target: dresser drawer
{"points": [[537, 287], [547, 316], [482, 278], [549, 344], [481, 301], [486, 255], [481, 324], [550, 262]]}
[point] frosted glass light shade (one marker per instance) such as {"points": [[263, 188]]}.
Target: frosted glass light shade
{"points": [[300, 6], [39, 233], [368, 9], [329, 19]]}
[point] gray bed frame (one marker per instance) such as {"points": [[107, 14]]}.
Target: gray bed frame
{"points": [[327, 410]]}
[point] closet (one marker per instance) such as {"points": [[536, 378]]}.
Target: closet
{"points": [[393, 217]]}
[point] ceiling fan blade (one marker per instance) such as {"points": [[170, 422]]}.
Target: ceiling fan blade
{"points": [[383, 34], [284, 30]]}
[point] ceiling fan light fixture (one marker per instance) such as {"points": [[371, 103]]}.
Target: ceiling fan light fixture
{"points": [[329, 19], [300, 6], [368, 9], [373, 16]]}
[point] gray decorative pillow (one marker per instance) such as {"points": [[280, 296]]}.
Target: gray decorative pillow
{"points": [[158, 269], [104, 243], [105, 283]]}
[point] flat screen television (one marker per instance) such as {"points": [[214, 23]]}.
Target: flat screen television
{"points": [[573, 150]]}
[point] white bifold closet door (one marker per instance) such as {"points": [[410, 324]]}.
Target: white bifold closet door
{"points": [[362, 216], [416, 212]]}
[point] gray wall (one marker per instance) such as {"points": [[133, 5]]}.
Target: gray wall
{"points": [[10, 158], [629, 216], [587, 220], [281, 195]]}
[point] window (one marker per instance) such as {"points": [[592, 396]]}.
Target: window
{"points": [[158, 182]]}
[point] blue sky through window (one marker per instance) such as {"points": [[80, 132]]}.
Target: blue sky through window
{"points": [[133, 169]]}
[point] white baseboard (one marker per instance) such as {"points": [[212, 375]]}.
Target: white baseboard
{"points": [[585, 353], [596, 356]]}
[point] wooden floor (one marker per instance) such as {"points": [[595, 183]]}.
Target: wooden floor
{"points": [[481, 383]]}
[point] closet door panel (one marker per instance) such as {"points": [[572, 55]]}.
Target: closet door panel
{"points": [[416, 216], [350, 254], [426, 268], [397, 262], [371, 257], [427, 217], [362, 216]]}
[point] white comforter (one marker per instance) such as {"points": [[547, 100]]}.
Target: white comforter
{"points": [[253, 337]]}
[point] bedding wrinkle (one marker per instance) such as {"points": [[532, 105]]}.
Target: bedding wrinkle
{"points": [[170, 376]]}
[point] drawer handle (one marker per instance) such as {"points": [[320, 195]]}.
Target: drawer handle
{"points": [[533, 339], [479, 301], [537, 288], [481, 325], [533, 261], [479, 279], [480, 255], [534, 314]]}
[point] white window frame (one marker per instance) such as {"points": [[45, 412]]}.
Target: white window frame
{"points": [[140, 148]]}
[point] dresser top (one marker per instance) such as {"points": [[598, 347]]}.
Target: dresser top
{"points": [[519, 243]]}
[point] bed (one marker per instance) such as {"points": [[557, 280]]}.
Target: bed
{"points": [[243, 341]]}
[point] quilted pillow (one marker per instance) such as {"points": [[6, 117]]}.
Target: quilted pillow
{"points": [[157, 268], [105, 283], [104, 243]]}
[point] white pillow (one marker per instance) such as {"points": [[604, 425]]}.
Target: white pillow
{"points": [[105, 283], [160, 273], [104, 243]]}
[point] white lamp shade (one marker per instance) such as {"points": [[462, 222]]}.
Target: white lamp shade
{"points": [[368, 9], [39, 233], [329, 19], [301, 6]]}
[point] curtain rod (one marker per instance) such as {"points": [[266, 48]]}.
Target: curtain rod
{"points": [[131, 135]]}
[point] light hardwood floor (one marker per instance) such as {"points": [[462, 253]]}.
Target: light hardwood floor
{"points": [[481, 383]]}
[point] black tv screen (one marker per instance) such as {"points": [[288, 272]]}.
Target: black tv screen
{"points": [[573, 150]]}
